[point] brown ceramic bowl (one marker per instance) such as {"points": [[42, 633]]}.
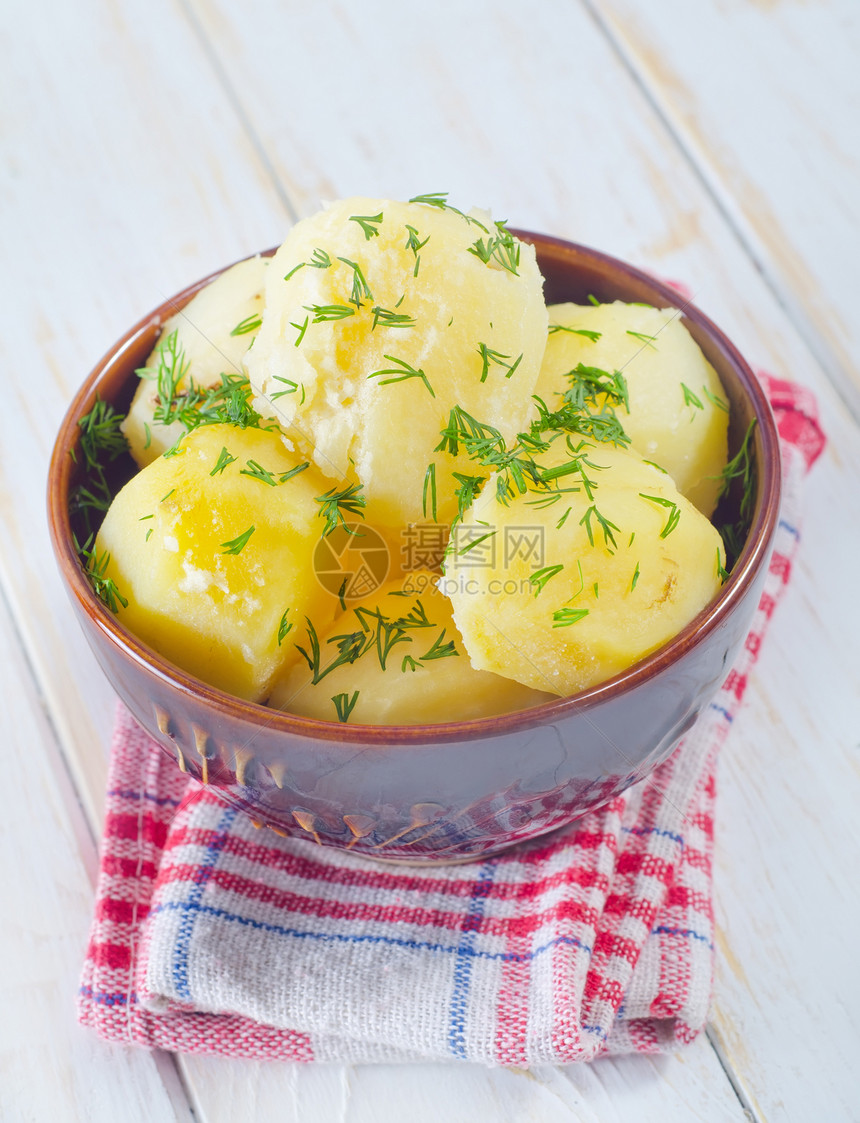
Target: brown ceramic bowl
{"points": [[436, 793]]}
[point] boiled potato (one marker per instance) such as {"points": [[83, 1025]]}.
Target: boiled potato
{"points": [[409, 665], [379, 318], [678, 411], [211, 558], [562, 593], [196, 344]]}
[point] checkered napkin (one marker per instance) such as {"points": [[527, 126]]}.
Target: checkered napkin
{"points": [[211, 936]]}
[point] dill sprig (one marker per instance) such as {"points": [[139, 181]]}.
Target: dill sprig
{"points": [[600, 425], [323, 313], [501, 247], [401, 373], [101, 436], [471, 543], [375, 632], [429, 491], [344, 705], [589, 385], [486, 444], [691, 399], [715, 400], [334, 505], [249, 324], [360, 287], [170, 373], [228, 402], [284, 627], [301, 329], [585, 332], [414, 243], [564, 617], [674, 512], [224, 458], [284, 476], [101, 443], [390, 319], [605, 525], [439, 200], [488, 357], [647, 340], [469, 487], [440, 649], [95, 565], [258, 472], [237, 545], [369, 223], [291, 388], [742, 468], [540, 577]]}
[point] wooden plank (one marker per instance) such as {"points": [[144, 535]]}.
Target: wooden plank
{"points": [[766, 98], [629, 1090], [128, 175], [50, 1068], [788, 980]]}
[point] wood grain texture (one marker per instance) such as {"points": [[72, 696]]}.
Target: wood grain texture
{"points": [[152, 143], [766, 98], [49, 1067], [629, 1090], [128, 175]]}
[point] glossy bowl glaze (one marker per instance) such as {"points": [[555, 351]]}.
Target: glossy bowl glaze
{"points": [[447, 792]]}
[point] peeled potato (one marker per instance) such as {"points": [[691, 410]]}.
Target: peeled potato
{"points": [[678, 415], [379, 318], [210, 558], [203, 348], [547, 594], [412, 668]]}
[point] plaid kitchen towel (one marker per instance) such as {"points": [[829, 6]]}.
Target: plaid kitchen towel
{"points": [[211, 936]]}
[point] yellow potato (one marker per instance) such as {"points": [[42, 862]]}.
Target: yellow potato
{"points": [[197, 344], [547, 593], [379, 318], [211, 558], [678, 410], [410, 665]]}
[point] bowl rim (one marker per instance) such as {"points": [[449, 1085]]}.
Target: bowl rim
{"points": [[754, 554]]}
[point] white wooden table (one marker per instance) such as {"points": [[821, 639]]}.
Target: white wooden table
{"points": [[147, 143]]}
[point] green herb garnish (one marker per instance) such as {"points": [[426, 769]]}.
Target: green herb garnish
{"points": [[390, 319], [690, 399], [105, 588], [249, 324], [344, 705], [674, 510], [224, 458], [401, 373], [284, 628], [334, 503], [564, 617], [592, 335], [540, 577], [368, 223], [323, 313], [237, 545]]}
